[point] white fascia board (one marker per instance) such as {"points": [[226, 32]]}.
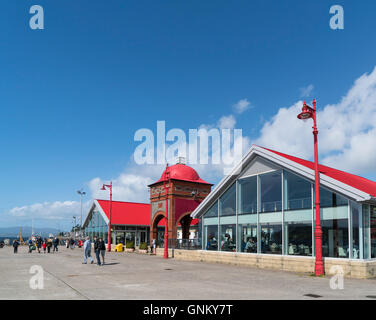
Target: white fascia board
{"points": [[325, 180], [88, 216], [103, 214], [218, 189]]}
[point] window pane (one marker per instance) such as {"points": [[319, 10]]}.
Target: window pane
{"points": [[331, 199], [335, 242], [228, 202], [228, 237], [271, 239], [373, 232], [248, 238], [366, 241], [248, 195], [212, 212], [298, 238], [271, 192], [355, 231], [297, 191], [211, 236]]}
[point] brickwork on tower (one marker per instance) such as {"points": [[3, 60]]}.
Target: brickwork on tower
{"points": [[186, 192]]}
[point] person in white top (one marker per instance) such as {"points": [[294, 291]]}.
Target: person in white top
{"points": [[87, 251]]}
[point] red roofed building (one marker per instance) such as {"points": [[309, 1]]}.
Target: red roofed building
{"points": [[185, 193], [266, 206], [131, 221]]}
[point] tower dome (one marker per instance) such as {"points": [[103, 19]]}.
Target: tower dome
{"points": [[182, 172]]}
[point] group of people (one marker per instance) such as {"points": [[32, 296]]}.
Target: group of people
{"points": [[46, 244], [38, 244], [99, 249]]}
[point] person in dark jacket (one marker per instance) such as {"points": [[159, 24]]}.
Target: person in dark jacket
{"points": [[97, 251], [102, 249], [39, 243], [55, 242], [15, 245]]}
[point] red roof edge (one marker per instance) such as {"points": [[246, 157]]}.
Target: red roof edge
{"points": [[355, 181]]}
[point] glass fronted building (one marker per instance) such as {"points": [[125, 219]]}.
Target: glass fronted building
{"points": [[267, 206], [129, 221]]}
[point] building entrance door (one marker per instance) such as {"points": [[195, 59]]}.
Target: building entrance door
{"points": [[130, 236], [120, 237]]}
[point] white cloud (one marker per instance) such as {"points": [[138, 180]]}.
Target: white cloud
{"points": [[305, 92], [58, 210], [347, 130], [227, 122], [241, 106]]}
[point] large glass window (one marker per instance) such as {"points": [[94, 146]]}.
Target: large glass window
{"points": [[271, 238], [335, 240], [297, 192], [228, 202], [366, 231], [373, 230], [248, 195], [248, 238], [271, 192], [331, 199], [298, 238], [212, 212], [228, 237], [355, 254], [211, 236]]}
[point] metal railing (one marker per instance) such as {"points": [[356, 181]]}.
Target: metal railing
{"points": [[184, 244]]}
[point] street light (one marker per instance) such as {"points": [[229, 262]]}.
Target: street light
{"points": [[81, 193], [74, 228], [109, 223], [166, 188], [308, 112]]}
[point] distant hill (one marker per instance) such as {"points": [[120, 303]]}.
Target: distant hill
{"points": [[26, 231]]}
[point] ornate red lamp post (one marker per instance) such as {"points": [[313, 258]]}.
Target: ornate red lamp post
{"points": [[308, 112], [166, 186], [109, 223]]}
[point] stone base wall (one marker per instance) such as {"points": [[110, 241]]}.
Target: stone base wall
{"points": [[360, 269]]}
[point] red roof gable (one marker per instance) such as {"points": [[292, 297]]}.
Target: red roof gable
{"points": [[352, 180], [129, 213]]}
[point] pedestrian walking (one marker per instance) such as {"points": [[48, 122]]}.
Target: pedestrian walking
{"points": [[31, 245], [55, 242], [67, 243], [49, 245], [44, 245], [71, 243], [102, 249], [97, 251], [39, 243], [15, 245], [87, 251], [154, 246]]}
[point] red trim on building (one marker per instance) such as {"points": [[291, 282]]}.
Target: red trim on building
{"points": [[127, 213], [352, 180]]}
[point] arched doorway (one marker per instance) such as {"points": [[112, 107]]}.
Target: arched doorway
{"points": [[184, 222], [158, 228]]}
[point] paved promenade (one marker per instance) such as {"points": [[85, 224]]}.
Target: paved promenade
{"points": [[137, 276]]}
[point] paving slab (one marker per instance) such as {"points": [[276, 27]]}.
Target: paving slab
{"points": [[133, 276]]}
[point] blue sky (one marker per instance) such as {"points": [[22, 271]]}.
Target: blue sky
{"points": [[73, 95]]}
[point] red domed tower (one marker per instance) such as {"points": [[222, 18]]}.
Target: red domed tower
{"points": [[186, 192]]}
